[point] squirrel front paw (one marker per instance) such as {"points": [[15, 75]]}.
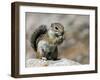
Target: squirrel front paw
{"points": [[44, 58]]}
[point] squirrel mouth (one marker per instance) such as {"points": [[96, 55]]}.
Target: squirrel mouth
{"points": [[60, 40]]}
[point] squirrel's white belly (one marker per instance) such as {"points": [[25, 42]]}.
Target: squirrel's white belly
{"points": [[44, 46]]}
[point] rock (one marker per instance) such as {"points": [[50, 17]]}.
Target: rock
{"points": [[63, 62], [36, 62], [41, 63]]}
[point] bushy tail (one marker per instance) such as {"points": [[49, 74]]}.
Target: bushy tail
{"points": [[36, 34]]}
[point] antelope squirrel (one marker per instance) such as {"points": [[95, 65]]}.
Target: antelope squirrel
{"points": [[45, 41]]}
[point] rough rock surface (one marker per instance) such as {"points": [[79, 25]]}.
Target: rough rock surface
{"points": [[39, 62]]}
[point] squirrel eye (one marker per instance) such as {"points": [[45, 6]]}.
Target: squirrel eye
{"points": [[56, 28]]}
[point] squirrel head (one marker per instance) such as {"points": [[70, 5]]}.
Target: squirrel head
{"points": [[56, 31], [57, 28]]}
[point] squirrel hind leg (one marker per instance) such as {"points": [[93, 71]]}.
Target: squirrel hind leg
{"points": [[53, 57], [56, 59]]}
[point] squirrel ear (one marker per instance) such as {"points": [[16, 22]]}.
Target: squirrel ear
{"points": [[52, 25]]}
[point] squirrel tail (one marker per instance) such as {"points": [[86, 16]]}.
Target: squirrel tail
{"points": [[36, 34]]}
